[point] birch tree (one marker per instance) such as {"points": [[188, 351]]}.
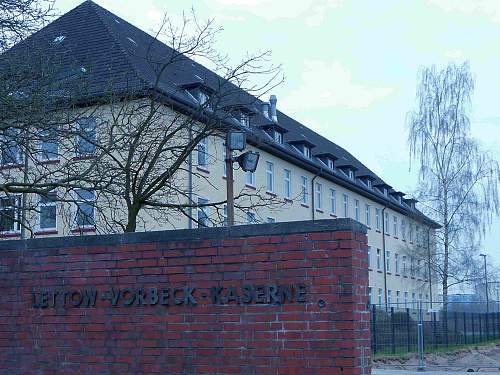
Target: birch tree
{"points": [[458, 181]]}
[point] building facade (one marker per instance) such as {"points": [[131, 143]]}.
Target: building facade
{"points": [[301, 175]]}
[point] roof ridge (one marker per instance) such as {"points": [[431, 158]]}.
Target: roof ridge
{"points": [[96, 8]]}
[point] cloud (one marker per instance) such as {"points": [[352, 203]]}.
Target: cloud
{"points": [[489, 8], [312, 11], [330, 84]]}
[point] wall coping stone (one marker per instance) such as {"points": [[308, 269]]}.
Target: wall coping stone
{"points": [[238, 231]]}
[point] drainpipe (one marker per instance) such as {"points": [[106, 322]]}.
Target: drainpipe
{"points": [[320, 170], [190, 182], [383, 251]]}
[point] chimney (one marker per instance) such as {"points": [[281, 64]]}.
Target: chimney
{"points": [[273, 101], [265, 109]]}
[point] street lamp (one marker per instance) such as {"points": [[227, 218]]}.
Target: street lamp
{"points": [[236, 140], [486, 284]]}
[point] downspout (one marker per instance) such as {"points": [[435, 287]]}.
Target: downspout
{"points": [[190, 182], [320, 170], [383, 251]]}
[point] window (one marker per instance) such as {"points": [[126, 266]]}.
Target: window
{"points": [[87, 137], [304, 189], [245, 120], [379, 260], [386, 222], [203, 99], [385, 191], [10, 150], [369, 183], [419, 268], [389, 297], [367, 215], [330, 163], [411, 232], [278, 137], [403, 229], [356, 209], [406, 300], [398, 300], [417, 235], [287, 181], [49, 145], [405, 267], [377, 218], [203, 153], [85, 212], [346, 205], [319, 196], [250, 178], [333, 201], [251, 218], [269, 176], [397, 260], [271, 220], [203, 220], [413, 301], [379, 296], [351, 174], [369, 257], [388, 261], [307, 152], [395, 226], [370, 295], [412, 267], [47, 211], [10, 213]]}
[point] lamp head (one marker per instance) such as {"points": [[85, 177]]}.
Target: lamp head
{"points": [[248, 161]]}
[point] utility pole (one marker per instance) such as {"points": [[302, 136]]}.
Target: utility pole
{"points": [[486, 284], [229, 185]]}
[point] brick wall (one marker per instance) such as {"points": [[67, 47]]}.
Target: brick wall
{"points": [[285, 298]]}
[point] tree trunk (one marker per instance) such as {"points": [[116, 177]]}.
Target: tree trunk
{"points": [[133, 212], [446, 229]]}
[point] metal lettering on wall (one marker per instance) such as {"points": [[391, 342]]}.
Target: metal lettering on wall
{"points": [[166, 296]]}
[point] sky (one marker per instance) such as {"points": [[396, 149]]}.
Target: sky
{"points": [[351, 66]]}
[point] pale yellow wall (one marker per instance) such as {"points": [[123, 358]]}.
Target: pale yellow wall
{"points": [[210, 183]]}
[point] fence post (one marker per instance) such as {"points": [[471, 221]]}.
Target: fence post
{"points": [[393, 332], [455, 315], [374, 328], [434, 329], [465, 327], [408, 347], [445, 327], [480, 328], [421, 360], [473, 329], [487, 326]]}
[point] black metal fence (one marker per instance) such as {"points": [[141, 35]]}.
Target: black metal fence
{"points": [[397, 330]]}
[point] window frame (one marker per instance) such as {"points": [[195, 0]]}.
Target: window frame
{"points": [[318, 191], [304, 189], [78, 199], [80, 139], [287, 183], [17, 213], [41, 205], [333, 201], [270, 177], [202, 153]]}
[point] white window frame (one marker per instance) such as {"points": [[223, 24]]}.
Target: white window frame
{"points": [[379, 295], [403, 229], [41, 156], [395, 225], [379, 260], [7, 139], [330, 163], [386, 223], [205, 214], [307, 151], [278, 137], [287, 183], [244, 119], [319, 196], [377, 218], [202, 151], [333, 201], [79, 125], [41, 206], [397, 261], [356, 209], [270, 177], [78, 199], [368, 215], [304, 189], [17, 213], [345, 202], [250, 178], [387, 261]]}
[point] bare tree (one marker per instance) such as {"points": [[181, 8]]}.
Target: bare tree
{"points": [[458, 182]]}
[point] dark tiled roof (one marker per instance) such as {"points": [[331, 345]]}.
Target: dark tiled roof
{"points": [[119, 57]]}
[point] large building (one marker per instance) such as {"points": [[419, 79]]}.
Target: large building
{"points": [[301, 175]]}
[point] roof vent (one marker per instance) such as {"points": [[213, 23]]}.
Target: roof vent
{"points": [[83, 70], [132, 40], [59, 39]]}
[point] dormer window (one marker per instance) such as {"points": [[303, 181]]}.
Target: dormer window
{"points": [[244, 120], [203, 98], [278, 136], [369, 183], [307, 151], [350, 173], [330, 163], [385, 191]]}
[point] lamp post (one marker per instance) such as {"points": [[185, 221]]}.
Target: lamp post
{"points": [[236, 140], [486, 284]]}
